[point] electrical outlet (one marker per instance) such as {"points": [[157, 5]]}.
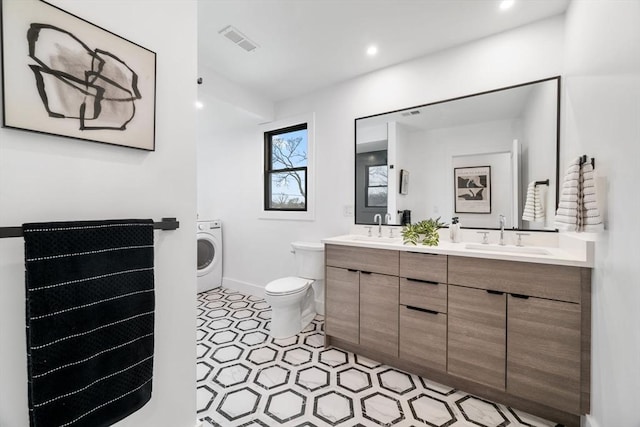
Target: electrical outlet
{"points": [[347, 210]]}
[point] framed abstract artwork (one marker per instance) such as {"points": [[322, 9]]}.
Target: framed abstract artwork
{"points": [[63, 75], [472, 189], [404, 181]]}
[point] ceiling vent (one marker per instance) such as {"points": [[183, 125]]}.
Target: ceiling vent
{"points": [[238, 38]]}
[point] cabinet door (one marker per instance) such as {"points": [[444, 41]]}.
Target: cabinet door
{"points": [[543, 352], [477, 335], [342, 299], [379, 295], [423, 337]]}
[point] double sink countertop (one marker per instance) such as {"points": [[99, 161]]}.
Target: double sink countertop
{"points": [[571, 249]]}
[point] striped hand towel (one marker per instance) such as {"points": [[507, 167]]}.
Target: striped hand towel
{"points": [[533, 208], [90, 319], [591, 220], [567, 217]]}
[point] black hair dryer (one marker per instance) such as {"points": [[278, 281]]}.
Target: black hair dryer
{"points": [[406, 217]]}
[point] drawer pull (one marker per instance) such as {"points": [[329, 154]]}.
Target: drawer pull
{"points": [[422, 253], [423, 310], [365, 272], [353, 270], [428, 282], [520, 296], [494, 292]]}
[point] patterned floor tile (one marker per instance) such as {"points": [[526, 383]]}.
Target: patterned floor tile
{"points": [[312, 378], [247, 378], [272, 377]]}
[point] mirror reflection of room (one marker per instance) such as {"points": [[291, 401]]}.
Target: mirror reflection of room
{"points": [[512, 131]]}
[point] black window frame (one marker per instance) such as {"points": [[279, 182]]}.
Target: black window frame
{"points": [[268, 167], [367, 186]]}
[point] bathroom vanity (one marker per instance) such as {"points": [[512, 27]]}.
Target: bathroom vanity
{"points": [[511, 327]]}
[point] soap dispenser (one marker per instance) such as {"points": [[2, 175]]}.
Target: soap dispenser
{"points": [[454, 230]]}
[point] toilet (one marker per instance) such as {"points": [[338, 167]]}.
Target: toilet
{"points": [[292, 299]]}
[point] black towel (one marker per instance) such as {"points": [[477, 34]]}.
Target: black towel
{"points": [[90, 315]]}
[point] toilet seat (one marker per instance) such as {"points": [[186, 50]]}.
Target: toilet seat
{"points": [[287, 286]]}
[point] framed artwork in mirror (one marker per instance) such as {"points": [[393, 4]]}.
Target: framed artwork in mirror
{"points": [[472, 189], [404, 181], [65, 76]]}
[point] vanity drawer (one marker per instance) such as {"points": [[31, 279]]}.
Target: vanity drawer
{"points": [[423, 338], [423, 294], [381, 261], [416, 265], [549, 281]]}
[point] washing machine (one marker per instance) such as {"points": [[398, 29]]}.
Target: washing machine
{"points": [[209, 237]]}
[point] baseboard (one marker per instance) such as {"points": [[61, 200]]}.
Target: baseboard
{"points": [[589, 421], [244, 287]]}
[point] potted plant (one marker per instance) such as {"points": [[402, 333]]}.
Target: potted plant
{"points": [[424, 232]]}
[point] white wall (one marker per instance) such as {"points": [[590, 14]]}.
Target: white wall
{"points": [[257, 251], [47, 178], [602, 119]]}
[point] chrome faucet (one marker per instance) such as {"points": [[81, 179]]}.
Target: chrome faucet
{"points": [[503, 220], [378, 217], [387, 218]]}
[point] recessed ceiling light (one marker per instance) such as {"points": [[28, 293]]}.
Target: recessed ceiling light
{"points": [[372, 50], [506, 4], [199, 105]]}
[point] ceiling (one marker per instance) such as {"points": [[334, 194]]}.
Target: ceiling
{"points": [[306, 45]]}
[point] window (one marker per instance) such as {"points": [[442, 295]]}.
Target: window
{"points": [[376, 186], [285, 169]]}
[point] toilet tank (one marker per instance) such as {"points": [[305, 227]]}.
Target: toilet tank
{"points": [[309, 260]]}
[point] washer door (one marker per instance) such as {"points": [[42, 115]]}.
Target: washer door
{"points": [[208, 248]]}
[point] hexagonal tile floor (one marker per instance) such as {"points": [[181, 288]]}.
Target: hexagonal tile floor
{"points": [[247, 378]]}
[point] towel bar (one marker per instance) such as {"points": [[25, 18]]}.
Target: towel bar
{"points": [[164, 224], [545, 182], [584, 158]]}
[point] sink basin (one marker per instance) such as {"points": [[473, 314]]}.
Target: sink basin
{"points": [[377, 239], [508, 249]]}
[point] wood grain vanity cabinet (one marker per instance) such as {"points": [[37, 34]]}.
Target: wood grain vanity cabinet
{"points": [[515, 332], [379, 312], [423, 309], [543, 351], [342, 292], [477, 339], [362, 297], [545, 334]]}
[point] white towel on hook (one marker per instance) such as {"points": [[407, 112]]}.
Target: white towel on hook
{"points": [[570, 203], [591, 219], [533, 207]]}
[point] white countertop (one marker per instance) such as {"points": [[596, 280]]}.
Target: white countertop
{"points": [[571, 250]]}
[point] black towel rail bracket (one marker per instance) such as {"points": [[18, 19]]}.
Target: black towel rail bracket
{"points": [[164, 224], [584, 158], [545, 182]]}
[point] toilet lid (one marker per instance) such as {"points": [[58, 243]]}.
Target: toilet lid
{"points": [[287, 285]]}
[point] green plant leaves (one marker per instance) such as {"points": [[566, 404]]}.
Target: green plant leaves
{"points": [[424, 232]]}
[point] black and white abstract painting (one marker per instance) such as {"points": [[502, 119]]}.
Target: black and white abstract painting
{"points": [[65, 76], [472, 189]]}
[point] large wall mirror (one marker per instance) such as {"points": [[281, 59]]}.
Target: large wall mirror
{"points": [[475, 157]]}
